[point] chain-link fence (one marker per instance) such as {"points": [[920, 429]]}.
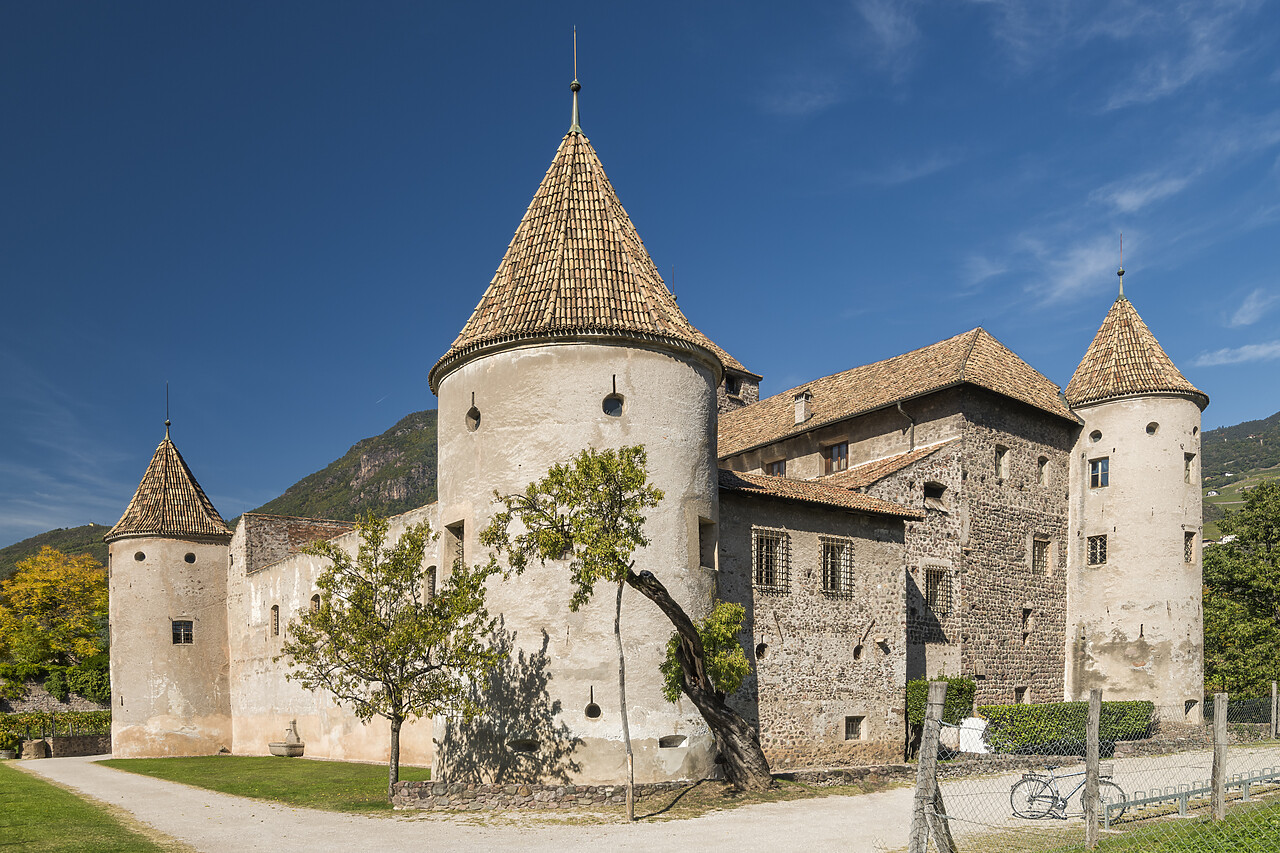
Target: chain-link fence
{"points": [[1196, 778]]}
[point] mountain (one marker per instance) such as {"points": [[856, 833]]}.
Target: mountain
{"points": [[86, 539], [386, 474], [1228, 451]]}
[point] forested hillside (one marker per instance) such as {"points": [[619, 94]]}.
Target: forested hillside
{"points": [[86, 539], [1230, 452]]}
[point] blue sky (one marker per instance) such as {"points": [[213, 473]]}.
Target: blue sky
{"points": [[288, 210]]}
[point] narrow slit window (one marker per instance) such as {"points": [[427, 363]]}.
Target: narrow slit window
{"points": [[275, 620], [1042, 471], [1189, 546], [454, 543], [1188, 466], [1040, 556], [1099, 472], [1002, 462], [315, 604]]}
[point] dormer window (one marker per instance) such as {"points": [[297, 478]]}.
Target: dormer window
{"points": [[836, 458], [732, 385], [776, 469]]}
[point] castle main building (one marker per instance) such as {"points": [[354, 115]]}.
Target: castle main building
{"points": [[948, 510]]}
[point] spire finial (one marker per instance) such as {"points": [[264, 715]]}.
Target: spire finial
{"points": [[1120, 272], [574, 127], [166, 409]]}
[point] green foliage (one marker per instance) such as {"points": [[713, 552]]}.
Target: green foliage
{"points": [[378, 643], [56, 684], [39, 816], [360, 482], [589, 512], [1058, 726], [86, 539], [724, 658], [339, 786], [61, 723], [53, 611], [1242, 598], [958, 705], [10, 740]]}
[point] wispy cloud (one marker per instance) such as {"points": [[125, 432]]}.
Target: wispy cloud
{"points": [[1132, 194], [797, 98], [1240, 355], [979, 268], [1072, 272], [904, 172], [1253, 307], [893, 31]]}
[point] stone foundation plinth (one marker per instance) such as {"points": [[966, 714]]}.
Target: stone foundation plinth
{"points": [[462, 796]]}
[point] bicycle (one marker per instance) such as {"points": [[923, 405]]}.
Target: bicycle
{"points": [[1036, 795]]}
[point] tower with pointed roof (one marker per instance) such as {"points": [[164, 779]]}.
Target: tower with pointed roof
{"points": [[169, 661], [1134, 594], [577, 342]]}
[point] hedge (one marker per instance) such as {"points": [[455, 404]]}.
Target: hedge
{"points": [[1059, 728], [959, 703], [46, 723]]}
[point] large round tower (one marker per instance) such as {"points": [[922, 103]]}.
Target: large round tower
{"points": [[170, 692], [578, 343], [1134, 595]]}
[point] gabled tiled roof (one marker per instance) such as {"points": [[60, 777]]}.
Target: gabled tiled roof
{"points": [[1125, 358], [576, 266], [812, 492], [974, 358], [872, 472], [169, 502]]}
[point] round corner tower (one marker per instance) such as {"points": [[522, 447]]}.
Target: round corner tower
{"points": [[170, 691], [1134, 597], [578, 343]]}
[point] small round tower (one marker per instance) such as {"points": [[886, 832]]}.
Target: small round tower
{"points": [[170, 691], [1134, 594], [578, 343]]}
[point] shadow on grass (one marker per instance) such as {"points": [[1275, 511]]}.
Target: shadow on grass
{"points": [[684, 793]]}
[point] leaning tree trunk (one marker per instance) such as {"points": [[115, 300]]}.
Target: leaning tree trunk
{"points": [[622, 703], [393, 770], [745, 765]]}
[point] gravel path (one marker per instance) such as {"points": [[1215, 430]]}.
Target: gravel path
{"points": [[216, 823]]}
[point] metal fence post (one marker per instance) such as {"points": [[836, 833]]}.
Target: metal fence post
{"points": [[1091, 769], [927, 770], [1219, 798], [1274, 732]]}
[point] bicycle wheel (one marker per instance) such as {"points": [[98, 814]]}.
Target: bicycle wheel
{"points": [[1032, 798], [1111, 794]]}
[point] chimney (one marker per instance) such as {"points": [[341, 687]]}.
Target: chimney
{"points": [[803, 413]]}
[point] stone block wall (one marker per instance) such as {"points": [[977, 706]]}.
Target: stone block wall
{"points": [[818, 658], [457, 796], [36, 698]]}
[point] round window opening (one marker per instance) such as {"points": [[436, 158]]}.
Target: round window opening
{"points": [[1095, 436], [612, 405], [190, 558], [139, 556], [473, 419], [1153, 428], [592, 711]]}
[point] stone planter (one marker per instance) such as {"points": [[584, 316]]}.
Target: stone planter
{"points": [[288, 750]]}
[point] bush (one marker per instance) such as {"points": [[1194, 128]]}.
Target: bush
{"points": [[958, 705], [1060, 728], [56, 684], [41, 723]]}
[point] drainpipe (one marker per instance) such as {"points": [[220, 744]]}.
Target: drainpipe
{"points": [[912, 428]]}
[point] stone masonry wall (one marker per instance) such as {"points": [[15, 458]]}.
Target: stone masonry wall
{"points": [[36, 698], [1013, 619], [817, 657], [457, 796]]}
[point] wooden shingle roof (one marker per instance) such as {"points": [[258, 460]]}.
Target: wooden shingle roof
{"points": [[1125, 358], [808, 491], [575, 267], [974, 358], [169, 503]]}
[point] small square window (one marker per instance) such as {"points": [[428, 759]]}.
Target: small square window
{"points": [[1189, 546], [937, 590], [1040, 556], [1099, 475], [854, 728], [1002, 462], [837, 567], [777, 469], [1097, 550], [836, 458], [732, 385], [1021, 696], [183, 635], [772, 560]]}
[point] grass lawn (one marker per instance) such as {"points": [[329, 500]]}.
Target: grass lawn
{"points": [[336, 786], [39, 817]]}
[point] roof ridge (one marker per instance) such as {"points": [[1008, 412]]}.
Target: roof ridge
{"points": [[964, 363]]}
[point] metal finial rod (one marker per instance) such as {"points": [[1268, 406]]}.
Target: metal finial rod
{"points": [[1120, 272], [166, 409], [574, 126]]}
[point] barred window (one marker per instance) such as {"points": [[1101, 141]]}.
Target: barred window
{"points": [[182, 632], [937, 590], [1040, 556], [315, 604], [1099, 475], [1189, 546], [854, 728], [1097, 550], [837, 566], [771, 556], [275, 620]]}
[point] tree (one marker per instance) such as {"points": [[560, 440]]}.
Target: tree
{"points": [[591, 512], [1242, 597], [380, 644]]}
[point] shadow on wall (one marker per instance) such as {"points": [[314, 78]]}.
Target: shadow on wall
{"points": [[516, 737]]}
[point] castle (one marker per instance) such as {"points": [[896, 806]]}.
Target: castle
{"points": [[949, 510]]}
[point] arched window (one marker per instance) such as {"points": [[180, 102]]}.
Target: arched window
{"points": [[275, 620], [315, 604]]}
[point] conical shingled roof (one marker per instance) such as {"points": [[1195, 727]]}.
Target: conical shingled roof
{"points": [[1125, 359], [575, 266], [169, 502]]}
